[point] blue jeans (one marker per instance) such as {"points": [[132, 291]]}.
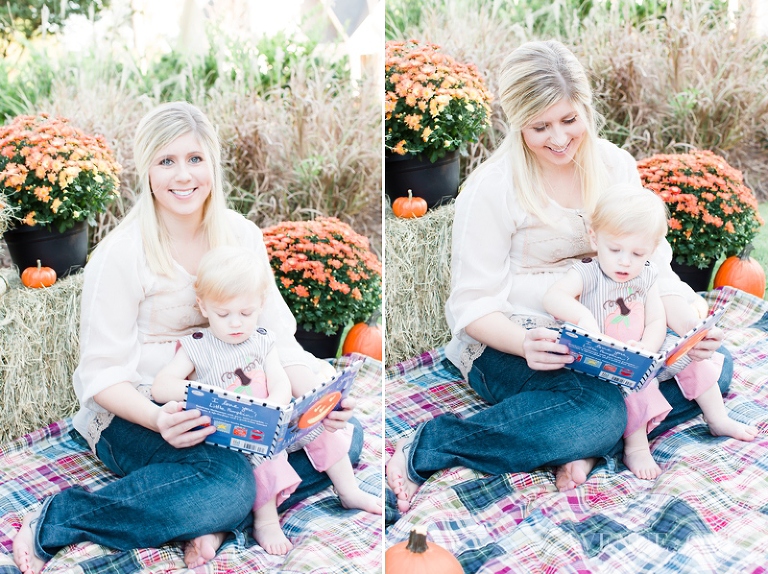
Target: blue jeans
{"points": [[164, 494], [536, 418]]}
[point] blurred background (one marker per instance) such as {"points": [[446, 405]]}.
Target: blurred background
{"points": [[293, 87]]}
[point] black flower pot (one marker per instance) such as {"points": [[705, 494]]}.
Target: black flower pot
{"points": [[698, 279], [437, 182], [319, 344], [64, 252]]}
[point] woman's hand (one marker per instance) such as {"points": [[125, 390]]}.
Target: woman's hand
{"points": [[175, 425], [542, 352], [705, 348], [337, 420]]}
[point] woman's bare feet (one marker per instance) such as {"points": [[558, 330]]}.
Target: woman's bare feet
{"points": [[641, 463], [357, 498], [270, 537], [574, 473], [24, 547], [726, 426], [397, 476], [202, 549]]}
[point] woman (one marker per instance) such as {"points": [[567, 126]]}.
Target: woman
{"points": [[138, 300], [519, 225]]}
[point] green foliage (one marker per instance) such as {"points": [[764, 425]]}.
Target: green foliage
{"points": [[25, 18]]}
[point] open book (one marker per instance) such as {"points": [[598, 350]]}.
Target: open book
{"points": [[621, 364], [256, 426]]}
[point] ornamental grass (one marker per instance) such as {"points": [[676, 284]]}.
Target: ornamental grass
{"points": [[39, 350], [667, 76], [53, 174], [433, 104], [712, 213], [325, 271], [418, 278]]}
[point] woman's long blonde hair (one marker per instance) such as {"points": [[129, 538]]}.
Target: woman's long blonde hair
{"points": [[156, 130], [533, 78]]}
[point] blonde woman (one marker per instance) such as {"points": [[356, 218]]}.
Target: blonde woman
{"points": [[519, 226], [138, 300]]}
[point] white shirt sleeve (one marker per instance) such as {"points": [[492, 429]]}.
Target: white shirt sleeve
{"points": [[481, 270], [110, 350]]}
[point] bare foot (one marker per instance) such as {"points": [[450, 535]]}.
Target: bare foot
{"points": [[357, 498], [641, 463], [201, 550], [574, 473], [24, 547], [397, 476], [270, 537], [726, 426]]}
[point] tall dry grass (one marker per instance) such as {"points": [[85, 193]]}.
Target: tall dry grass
{"points": [[685, 76], [309, 146]]}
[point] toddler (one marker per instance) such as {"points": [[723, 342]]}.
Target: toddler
{"points": [[236, 354], [616, 294]]}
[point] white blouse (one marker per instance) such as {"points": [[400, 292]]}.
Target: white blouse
{"points": [[131, 319], [504, 259]]}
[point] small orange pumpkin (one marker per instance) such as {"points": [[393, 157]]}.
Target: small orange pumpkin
{"points": [[409, 207], [743, 272], [415, 556], [37, 277], [364, 338]]}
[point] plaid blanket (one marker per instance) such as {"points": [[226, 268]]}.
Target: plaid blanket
{"points": [[326, 537], [707, 512]]}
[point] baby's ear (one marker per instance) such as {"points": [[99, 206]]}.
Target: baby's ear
{"points": [[201, 306], [592, 239]]}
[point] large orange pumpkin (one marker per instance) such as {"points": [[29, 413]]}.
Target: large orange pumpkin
{"points": [[415, 556], [37, 277], [409, 207], [364, 338], [743, 272]]}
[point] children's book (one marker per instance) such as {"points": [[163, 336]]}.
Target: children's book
{"points": [[256, 426], [621, 364]]}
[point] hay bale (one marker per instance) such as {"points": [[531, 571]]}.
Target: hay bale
{"points": [[39, 350], [417, 269]]}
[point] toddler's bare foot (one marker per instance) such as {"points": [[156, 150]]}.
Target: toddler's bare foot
{"points": [[24, 547], [397, 476], [574, 473], [726, 426], [357, 498], [201, 550], [270, 537], [641, 463]]}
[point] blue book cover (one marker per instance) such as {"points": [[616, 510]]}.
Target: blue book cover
{"points": [[621, 364], [256, 426]]}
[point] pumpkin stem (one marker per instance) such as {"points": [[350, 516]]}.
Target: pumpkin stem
{"points": [[746, 251], [39, 264], [417, 541], [375, 318], [410, 194]]}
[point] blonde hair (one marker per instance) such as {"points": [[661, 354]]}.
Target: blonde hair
{"points": [[231, 271], [626, 209], [156, 130], [534, 77]]}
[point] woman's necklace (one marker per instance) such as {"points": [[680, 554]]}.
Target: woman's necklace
{"points": [[564, 190]]}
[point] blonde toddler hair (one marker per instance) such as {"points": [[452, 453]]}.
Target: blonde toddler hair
{"points": [[626, 209], [230, 271]]}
